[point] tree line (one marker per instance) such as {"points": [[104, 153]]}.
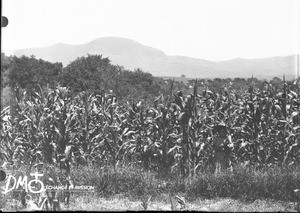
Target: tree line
{"points": [[94, 73]]}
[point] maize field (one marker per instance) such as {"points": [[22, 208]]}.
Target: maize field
{"points": [[51, 126]]}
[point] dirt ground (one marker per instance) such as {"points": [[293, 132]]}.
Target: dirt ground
{"points": [[122, 203]]}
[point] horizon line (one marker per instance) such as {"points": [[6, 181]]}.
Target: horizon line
{"points": [[11, 51]]}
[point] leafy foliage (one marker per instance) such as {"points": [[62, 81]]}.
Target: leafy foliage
{"points": [[175, 135], [28, 72]]}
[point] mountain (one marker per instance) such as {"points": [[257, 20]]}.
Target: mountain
{"points": [[264, 67], [131, 55]]}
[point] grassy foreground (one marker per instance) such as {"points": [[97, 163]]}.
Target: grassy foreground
{"points": [[275, 183], [244, 189], [217, 204], [122, 203]]}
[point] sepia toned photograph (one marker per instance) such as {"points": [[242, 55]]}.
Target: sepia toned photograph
{"points": [[150, 105]]}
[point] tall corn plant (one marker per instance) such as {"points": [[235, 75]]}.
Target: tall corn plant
{"points": [[39, 126], [174, 135], [6, 135]]}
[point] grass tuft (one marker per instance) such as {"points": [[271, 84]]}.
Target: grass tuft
{"points": [[274, 183]]}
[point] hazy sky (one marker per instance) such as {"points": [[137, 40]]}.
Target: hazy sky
{"points": [[207, 29]]}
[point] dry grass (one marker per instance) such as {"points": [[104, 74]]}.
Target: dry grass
{"points": [[121, 203], [90, 202], [125, 190]]}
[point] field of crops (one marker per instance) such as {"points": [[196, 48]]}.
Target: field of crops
{"points": [[49, 126]]}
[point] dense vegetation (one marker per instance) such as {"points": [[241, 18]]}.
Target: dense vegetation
{"points": [[95, 73], [92, 113], [91, 74]]}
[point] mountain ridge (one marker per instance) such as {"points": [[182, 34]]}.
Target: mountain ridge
{"points": [[132, 55]]}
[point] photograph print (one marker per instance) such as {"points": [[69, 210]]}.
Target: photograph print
{"points": [[164, 105]]}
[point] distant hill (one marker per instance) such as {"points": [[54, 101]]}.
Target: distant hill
{"points": [[131, 55]]}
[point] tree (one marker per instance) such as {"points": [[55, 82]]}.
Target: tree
{"points": [[28, 72], [88, 73], [140, 84], [277, 83], [5, 62], [95, 73]]}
